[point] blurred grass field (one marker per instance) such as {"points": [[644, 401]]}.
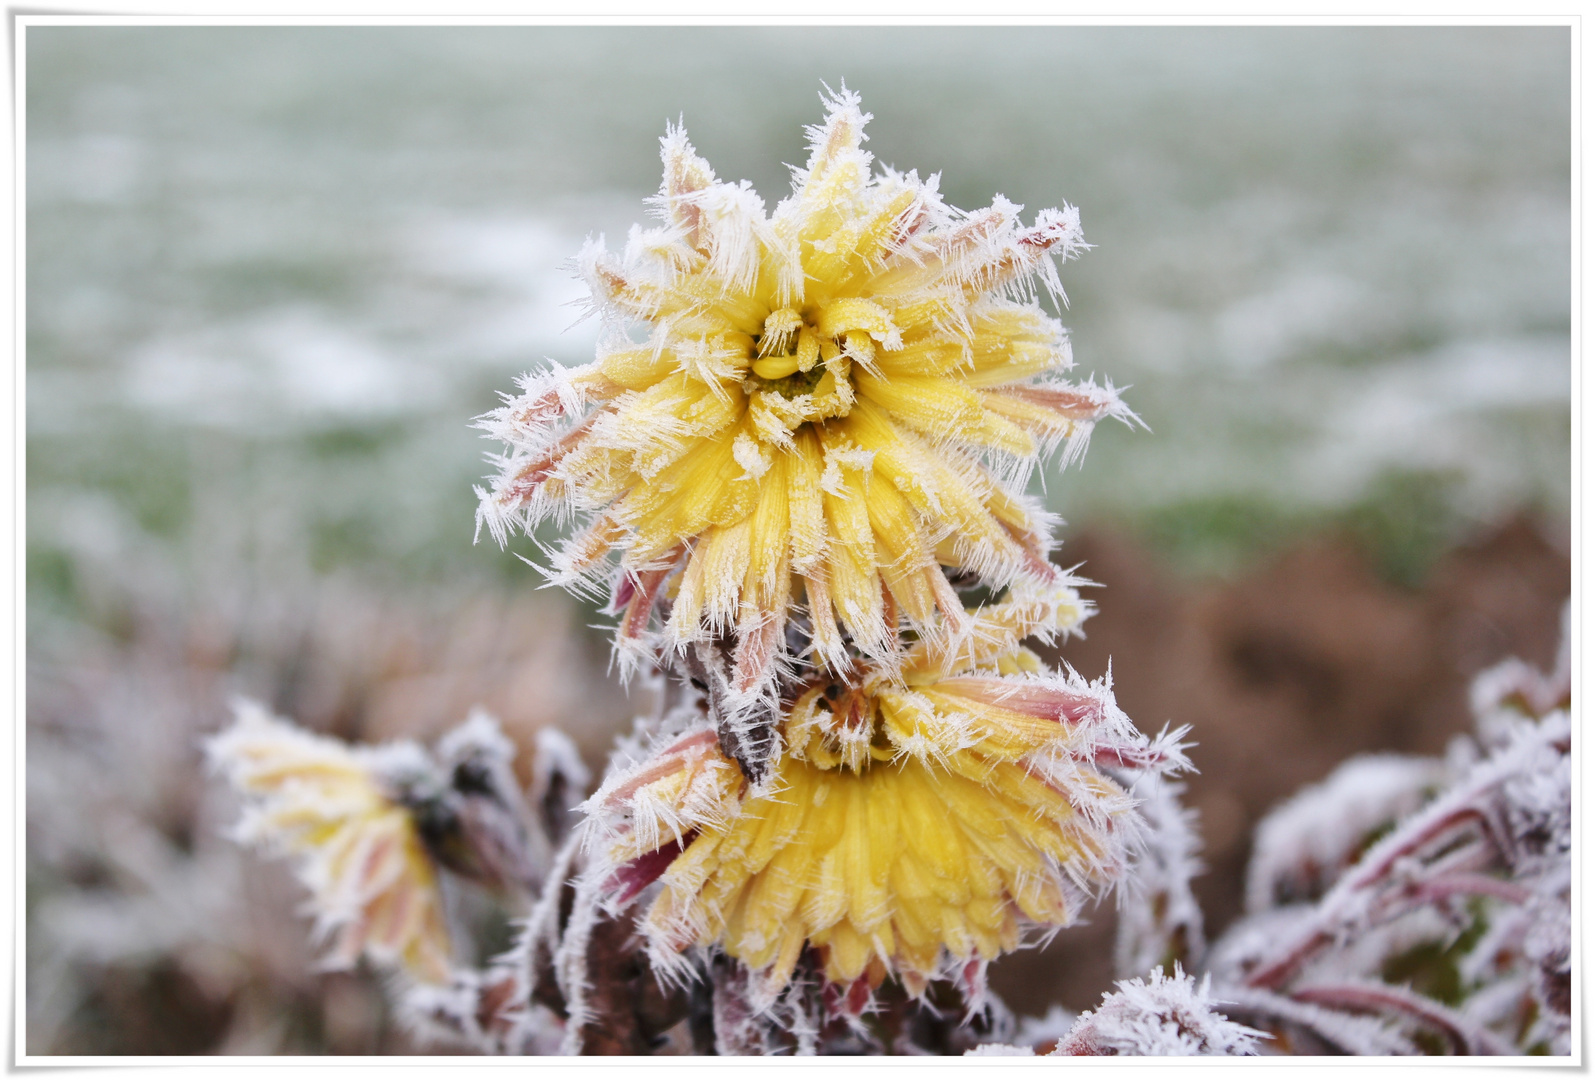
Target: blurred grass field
{"points": [[274, 272]]}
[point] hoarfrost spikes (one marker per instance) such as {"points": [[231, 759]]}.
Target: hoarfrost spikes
{"points": [[1160, 1016]]}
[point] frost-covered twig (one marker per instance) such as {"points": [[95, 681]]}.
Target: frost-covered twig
{"points": [[1304, 844], [1466, 1037], [1346, 1033]]}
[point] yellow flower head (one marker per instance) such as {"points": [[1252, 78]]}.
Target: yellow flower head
{"points": [[841, 397], [371, 881], [916, 822]]}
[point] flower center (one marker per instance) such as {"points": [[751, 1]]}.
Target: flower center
{"points": [[799, 373], [790, 386], [839, 727]]}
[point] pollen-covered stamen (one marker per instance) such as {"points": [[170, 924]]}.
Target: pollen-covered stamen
{"points": [[790, 390], [838, 334], [780, 375], [788, 354]]}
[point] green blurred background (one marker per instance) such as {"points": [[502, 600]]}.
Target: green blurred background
{"points": [[272, 274]]}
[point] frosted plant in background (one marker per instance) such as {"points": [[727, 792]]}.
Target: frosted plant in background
{"points": [[1401, 906], [1304, 844], [1452, 930], [360, 852]]}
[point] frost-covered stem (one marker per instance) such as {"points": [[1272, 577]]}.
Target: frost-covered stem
{"points": [[1364, 1036], [1160, 921], [1272, 975], [570, 963], [542, 931], [1408, 841], [1443, 885], [1466, 1037]]}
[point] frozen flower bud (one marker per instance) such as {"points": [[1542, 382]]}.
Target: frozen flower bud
{"points": [[1161, 1016], [1475, 865], [332, 807], [835, 401]]}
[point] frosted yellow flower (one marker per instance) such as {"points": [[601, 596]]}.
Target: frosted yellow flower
{"points": [[371, 881], [833, 402], [912, 826]]}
